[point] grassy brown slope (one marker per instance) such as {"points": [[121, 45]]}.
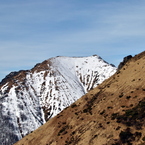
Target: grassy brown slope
{"points": [[111, 114]]}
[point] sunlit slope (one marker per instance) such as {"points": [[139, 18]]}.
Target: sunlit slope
{"points": [[112, 113]]}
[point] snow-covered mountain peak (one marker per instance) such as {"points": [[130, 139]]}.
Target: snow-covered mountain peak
{"points": [[29, 98]]}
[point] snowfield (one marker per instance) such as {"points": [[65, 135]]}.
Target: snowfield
{"points": [[29, 98]]}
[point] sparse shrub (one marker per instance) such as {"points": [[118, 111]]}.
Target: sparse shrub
{"points": [[90, 103], [63, 130], [137, 135], [100, 125], [143, 138], [95, 135], [130, 112], [118, 128], [86, 98], [121, 95], [132, 117], [85, 111], [109, 107], [128, 97], [101, 113], [126, 136], [73, 105], [114, 115], [73, 132]]}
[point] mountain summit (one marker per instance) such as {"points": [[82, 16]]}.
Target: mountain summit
{"points": [[30, 98], [113, 113]]}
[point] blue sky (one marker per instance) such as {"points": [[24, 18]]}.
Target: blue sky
{"points": [[32, 31]]}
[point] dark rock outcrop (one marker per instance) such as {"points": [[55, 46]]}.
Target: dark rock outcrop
{"points": [[125, 60]]}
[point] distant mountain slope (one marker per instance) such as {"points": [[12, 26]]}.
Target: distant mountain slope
{"points": [[111, 114], [29, 98]]}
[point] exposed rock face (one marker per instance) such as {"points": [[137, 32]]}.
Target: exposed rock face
{"points": [[30, 98], [110, 114], [125, 60]]}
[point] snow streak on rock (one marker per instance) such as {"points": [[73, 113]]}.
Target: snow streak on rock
{"points": [[29, 98]]}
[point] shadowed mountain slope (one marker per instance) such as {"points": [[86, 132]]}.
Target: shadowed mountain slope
{"points": [[111, 114]]}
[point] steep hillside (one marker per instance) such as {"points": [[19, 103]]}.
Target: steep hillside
{"points": [[30, 98], [111, 114]]}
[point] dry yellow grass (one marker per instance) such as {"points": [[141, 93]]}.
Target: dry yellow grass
{"points": [[89, 121]]}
